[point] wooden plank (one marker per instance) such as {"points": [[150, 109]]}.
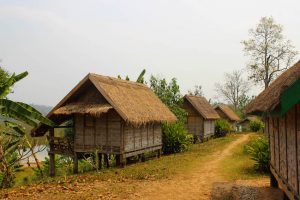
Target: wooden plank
{"points": [[283, 148], [291, 149], [144, 136], [101, 130], [276, 142], [271, 133], [297, 145], [79, 126]]}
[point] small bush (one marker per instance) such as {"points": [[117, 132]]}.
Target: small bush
{"points": [[175, 138], [222, 127], [256, 125], [258, 149]]}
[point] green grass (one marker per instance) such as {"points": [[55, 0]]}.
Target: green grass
{"points": [[239, 166], [24, 177]]}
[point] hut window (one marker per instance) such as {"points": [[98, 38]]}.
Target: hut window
{"points": [[88, 121]]}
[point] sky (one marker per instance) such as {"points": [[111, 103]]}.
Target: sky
{"points": [[196, 41]]}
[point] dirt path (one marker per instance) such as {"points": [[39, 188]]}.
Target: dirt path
{"points": [[195, 185]]}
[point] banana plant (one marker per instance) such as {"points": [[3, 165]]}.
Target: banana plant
{"points": [[13, 139], [18, 110]]}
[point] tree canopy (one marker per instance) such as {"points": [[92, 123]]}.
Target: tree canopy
{"points": [[270, 53]]}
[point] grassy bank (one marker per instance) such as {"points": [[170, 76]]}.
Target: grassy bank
{"points": [[239, 165]]}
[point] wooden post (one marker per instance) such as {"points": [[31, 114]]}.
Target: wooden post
{"points": [[75, 163], [99, 161], [52, 164], [51, 154], [159, 153], [143, 157], [106, 159], [122, 160], [118, 160]]}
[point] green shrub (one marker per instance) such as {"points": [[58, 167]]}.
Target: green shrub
{"points": [[256, 125], [64, 166], [222, 127], [258, 149], [175, 138]]}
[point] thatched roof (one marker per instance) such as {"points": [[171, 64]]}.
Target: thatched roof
{"points": [[202, 106], [249, 119], [81, 108], [134, 102], [228, 112], [269, 99]]}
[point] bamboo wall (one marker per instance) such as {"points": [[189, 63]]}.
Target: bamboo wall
{"points": [[110, 134], [144, 138], [284, 137], [209, 128]]}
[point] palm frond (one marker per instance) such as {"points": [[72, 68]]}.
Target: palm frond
{"points": [[37, 115], [20, 130]]}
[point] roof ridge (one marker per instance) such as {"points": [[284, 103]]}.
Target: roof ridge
{"points": [[119, 80]]}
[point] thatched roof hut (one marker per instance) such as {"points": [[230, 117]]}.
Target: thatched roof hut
{"points": [[202, 106], [279, 105], [272, 98], [225, 112], [134, 102], [110, 116], [201, 116]]}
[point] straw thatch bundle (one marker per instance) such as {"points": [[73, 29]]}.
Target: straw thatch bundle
{"points": [[267, 100], [228, 112], [202, 106], [80, 108]]}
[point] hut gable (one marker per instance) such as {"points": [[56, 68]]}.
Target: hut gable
{"points": [[225, 112], [271, 97], [202, 106], [96, 94]]}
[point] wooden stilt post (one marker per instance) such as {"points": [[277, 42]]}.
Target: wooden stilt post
{"points": [[143, 159], [118, 160], [159, 153], [99, 161], [106, 160], [51, 154], [75, 163], [52, 164], [123, 160]]}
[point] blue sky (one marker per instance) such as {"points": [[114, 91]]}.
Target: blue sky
{"points": [[59, 42]]}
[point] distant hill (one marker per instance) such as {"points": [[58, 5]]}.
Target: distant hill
{"points": [[42, 108]]}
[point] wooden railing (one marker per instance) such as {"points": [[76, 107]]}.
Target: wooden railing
{"points": [[61, 145]]}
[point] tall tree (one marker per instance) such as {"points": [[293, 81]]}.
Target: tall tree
{"points": [[169, 94], [233, 89], [269, 51], [197, 91]]}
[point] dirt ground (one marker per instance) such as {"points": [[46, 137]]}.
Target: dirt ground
{"points": [[204, 182]]}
